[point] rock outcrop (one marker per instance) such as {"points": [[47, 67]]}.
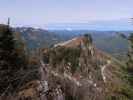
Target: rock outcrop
{"points": [[76, 70]]}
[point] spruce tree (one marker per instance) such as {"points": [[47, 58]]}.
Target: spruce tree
{"points": [[10, 61], [130, 60]]}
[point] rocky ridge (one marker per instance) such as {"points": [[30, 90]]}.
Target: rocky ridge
{"points": [[76, 70]]}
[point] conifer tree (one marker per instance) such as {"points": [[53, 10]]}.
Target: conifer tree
{"points": [[10, 61], [130, 59]]}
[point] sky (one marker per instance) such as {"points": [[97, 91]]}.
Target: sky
{"points": [[55, 13]]}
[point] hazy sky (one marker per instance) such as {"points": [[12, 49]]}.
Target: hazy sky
{"points": [[41, 12]]}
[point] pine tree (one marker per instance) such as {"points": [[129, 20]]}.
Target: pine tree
{"points": [[130, 60], [10, 61], [130, 54]]}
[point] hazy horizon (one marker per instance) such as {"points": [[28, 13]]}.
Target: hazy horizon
{"points": [[65, 14]]}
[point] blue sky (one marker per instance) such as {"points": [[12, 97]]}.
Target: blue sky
{"points": [[47, 13]]}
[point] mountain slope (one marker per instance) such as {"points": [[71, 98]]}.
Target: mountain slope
{"points": [[36, 38], [39, 38], [77, 70]]}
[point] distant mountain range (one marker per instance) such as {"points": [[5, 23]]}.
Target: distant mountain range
{"points": [[36, 38], [108, 41]]}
